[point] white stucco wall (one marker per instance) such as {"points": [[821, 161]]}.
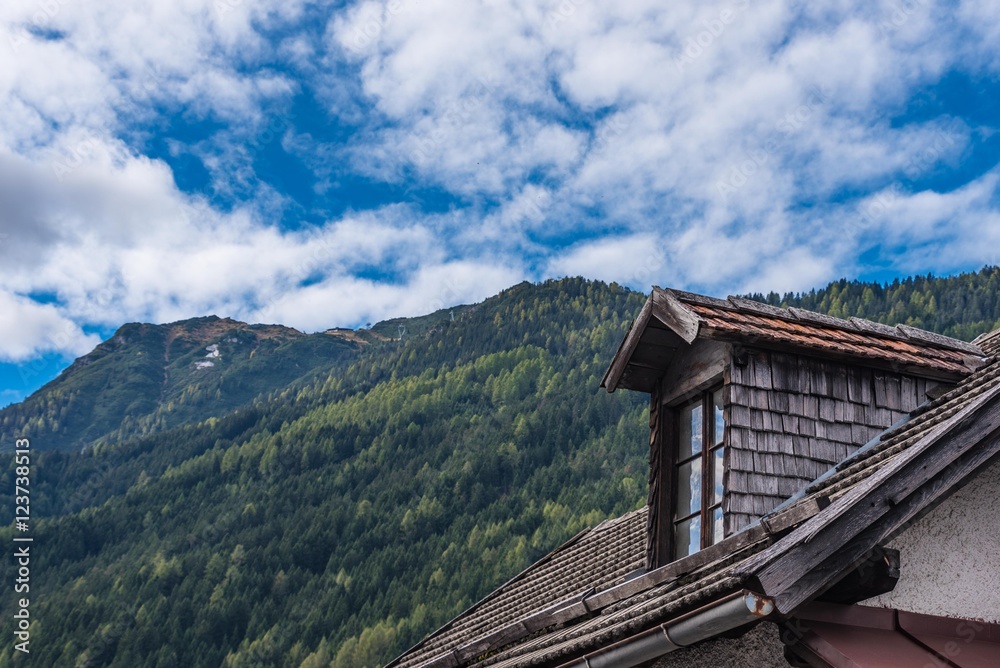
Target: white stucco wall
{"points": [[950, 559]]}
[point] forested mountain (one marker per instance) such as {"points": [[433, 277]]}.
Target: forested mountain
{"points": [[147, 378], [339, 518], [343, 520], [961, 306], [150, 377]]}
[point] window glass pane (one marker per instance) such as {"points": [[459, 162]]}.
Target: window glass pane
{"points": [[719, 428], [717, 475], [688, 487], [717, 529], [690, 418], [687, 537]]}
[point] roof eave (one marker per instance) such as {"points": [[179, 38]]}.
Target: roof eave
{"points": [[718, 617], [820, 551], [668, 310]]}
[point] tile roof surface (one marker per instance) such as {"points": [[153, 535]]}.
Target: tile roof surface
{"points": [[599, 557], [856, 337], [589, 574], [989, 343]]}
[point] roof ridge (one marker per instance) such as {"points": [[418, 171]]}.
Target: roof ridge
{"points": [[900, 332]]}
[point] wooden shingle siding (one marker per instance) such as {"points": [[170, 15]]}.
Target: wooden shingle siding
{"points": [[792, 417]]}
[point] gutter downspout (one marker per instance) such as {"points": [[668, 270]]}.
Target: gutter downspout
{"points": [[724, 615]]}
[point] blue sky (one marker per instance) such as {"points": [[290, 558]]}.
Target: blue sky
{"points": [[330, 164]]}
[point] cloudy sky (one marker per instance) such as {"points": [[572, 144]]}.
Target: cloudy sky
{"points": [[321, 164]]}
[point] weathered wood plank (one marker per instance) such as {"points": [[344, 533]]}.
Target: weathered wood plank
{"points": [[794, 514], [857, 378], [639, 378], [652, 356], [672, 313], [676, 569], [761, 365], [693, 370], [660, 541], [627, 347], [783, 372], [654, 546], [896, 518], [881, 392], [863, 505]]}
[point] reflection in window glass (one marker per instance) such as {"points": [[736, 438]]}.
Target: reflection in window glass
{"points": [[717, 475], [689, 488], [690, 419], [717, 529], [719, 428], [698, 474], [687, 536]]}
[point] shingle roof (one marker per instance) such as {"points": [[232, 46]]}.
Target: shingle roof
{"points": [[596, 558], [690, 316], [989, 342], [577, 599]]}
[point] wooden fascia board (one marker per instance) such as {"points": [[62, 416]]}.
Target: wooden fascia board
{"points": [[919, 370], [813, 556], [628, 345], [899, 517], [668, 310], [674, 314]]}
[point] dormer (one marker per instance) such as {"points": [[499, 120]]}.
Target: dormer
{"points": [[750, 402]]}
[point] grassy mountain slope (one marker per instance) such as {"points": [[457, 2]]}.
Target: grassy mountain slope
{"points": [[348, 517], [338, 520], [147, 378]]}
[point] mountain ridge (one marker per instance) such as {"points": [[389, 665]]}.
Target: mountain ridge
{"points": [[146, 377], [337, 520]]}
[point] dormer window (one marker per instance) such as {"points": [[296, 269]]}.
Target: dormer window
{"points": [[698, 473]]}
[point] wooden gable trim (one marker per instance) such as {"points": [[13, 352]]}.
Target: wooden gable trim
{"points": [[823, 549], [661, 308], [674, 314], [628, 345], [703, 366], [928, 371]]}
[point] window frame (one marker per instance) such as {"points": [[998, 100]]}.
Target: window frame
{"points": [[706, 457]]}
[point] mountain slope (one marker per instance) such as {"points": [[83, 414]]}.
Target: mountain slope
{"points": [[337, 521], [325, 521], [147, 378]]}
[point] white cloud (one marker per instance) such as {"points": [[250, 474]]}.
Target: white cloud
{"points": [[796, 102], [636, 260], [944, 230], [347, 299], [723, 146], [29, 328]]}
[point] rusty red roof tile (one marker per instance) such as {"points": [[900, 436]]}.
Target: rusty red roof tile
{"points": [[842, 337]]}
